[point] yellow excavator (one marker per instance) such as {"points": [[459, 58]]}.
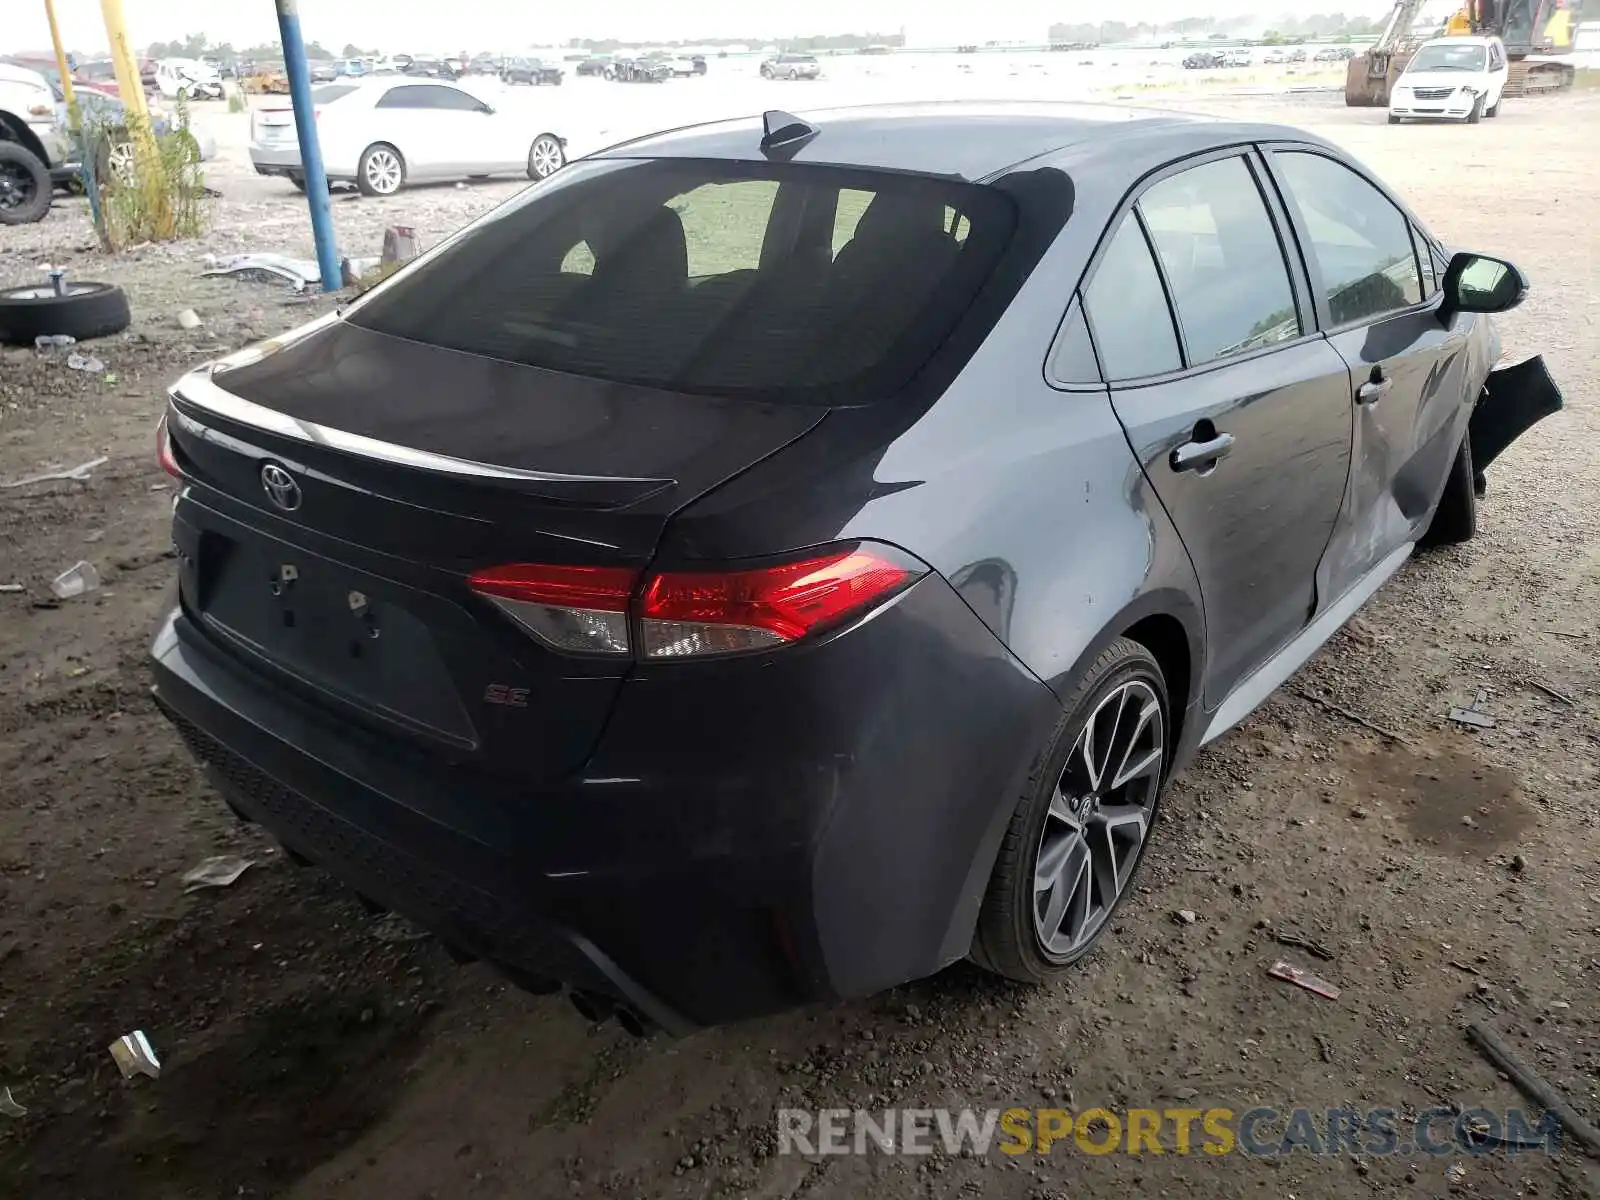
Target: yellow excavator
{"points": [[1536, 34]]}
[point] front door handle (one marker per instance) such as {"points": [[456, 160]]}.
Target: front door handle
{"points": [[1201, 456], [1374, 389]]}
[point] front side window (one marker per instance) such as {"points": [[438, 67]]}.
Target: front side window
{"points": [[1361, 241], [1222, 259], [1128, 312]]}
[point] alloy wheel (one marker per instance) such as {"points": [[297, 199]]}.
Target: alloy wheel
{"points": [[1099, 816], [17, 186], [545, 157], [383, 172], [120, 163]]}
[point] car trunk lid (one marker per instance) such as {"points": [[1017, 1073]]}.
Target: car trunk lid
{"points": [[396, 470]]}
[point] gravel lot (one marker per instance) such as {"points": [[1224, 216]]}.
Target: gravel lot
{"points": [[1453, 877]]}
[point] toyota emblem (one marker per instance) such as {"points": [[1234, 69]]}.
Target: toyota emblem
{"points": [[280, 487]]}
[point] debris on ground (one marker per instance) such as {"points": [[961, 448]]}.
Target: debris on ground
{"points": [[1455, 1173], [299, 273], [189, 319], [11, 588], [1339, 710], [1533, 1086], [1302, 978], [1476, 714], [76, 580], [1185, 916], [8, 1106], [135, 1056], [1552, 693], [219, 872], [393, 928], [399, 245], [49, 341], [85, 362], [1316, 949], [79, 474]]}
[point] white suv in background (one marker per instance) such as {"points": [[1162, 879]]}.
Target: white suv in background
{"points": [[1452, 79], [32, 145]]}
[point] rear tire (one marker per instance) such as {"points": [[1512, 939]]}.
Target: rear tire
{"points": [[545, 157], [24, 185], [1393, 120], [381, 171], [1456, 519], [1023, 931]]}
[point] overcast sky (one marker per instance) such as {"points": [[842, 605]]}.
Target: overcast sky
{"points": [[449, 25]]}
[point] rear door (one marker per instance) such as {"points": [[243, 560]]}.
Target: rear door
{"points": [[1237, 409], [1378, 301]]}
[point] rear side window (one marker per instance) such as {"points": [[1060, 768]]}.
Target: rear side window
{"points": [[1220, 252], [701, 276], [328, 93], [1128, 312], [1361, 241]]}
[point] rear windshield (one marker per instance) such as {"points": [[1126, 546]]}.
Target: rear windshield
{"points": [[789, 282]]}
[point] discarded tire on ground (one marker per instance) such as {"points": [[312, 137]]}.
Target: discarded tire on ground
{"points": [[24, 185], [85, 310]]}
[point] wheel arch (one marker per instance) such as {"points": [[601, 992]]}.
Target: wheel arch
{"points": [[15, 129]]}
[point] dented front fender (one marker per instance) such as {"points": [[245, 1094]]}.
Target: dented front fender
{"points": [[1513, 400]]}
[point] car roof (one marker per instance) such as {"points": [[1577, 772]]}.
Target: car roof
{"points": [[1460, 41], [968, 140]]}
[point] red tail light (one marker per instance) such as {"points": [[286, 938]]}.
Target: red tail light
{"points": [[164, 454], [683, 614], [689, 614]]}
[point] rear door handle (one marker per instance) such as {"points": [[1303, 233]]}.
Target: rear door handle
{"points": [[1202, 456], [1374, 389]]}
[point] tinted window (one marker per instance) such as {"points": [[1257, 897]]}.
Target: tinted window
{"points": [[653, 272], [1360, 240], [1128, 309], [328, 93], [411, 96], [1222, 259]]}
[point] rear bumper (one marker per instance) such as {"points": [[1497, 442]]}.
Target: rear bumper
{"points": [[747, 837]]}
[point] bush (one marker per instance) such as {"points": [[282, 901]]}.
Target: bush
{"points": [[151, 187], [237, 103]]}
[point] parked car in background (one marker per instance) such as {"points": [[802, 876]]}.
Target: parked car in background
{"points": [[433, 68], [640, 592], [32, 145], [105, 120], [791, 66], [1452, 79], [350, 68], [323, 70], [1239, 57], [188, 79], [687, 65], [385, 132], [1203, 60], [532, 71], [595, 65], [99, 75], [1333, 54], [638, 70]]}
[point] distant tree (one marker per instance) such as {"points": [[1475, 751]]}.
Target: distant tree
{"points": [[351, 50]]}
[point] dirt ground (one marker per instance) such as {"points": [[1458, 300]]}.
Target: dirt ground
{"points": [[307, 1053]]}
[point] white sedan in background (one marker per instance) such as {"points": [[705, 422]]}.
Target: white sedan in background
{"points": [[385, 132]]}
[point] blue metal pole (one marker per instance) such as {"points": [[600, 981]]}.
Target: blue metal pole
{"points": [[305, 122]]}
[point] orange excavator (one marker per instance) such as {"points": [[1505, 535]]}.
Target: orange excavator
{"points": [[1536, 33]]}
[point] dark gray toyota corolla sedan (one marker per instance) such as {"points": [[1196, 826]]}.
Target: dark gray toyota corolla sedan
{"points": [[773, 560]]}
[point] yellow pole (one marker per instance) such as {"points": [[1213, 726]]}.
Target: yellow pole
{"points": [[61, 63], [126, 65]]}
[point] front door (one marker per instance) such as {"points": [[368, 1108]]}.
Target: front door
{"points": [[1237, 409], [1374, 280]]}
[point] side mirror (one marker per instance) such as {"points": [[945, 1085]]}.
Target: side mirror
{"points": [[1478, 283]]}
